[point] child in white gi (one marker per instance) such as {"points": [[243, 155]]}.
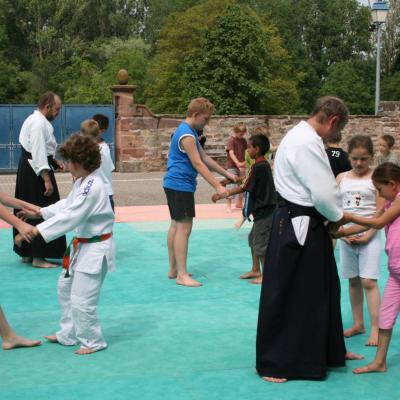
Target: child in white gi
{"points": [[86, 210]]}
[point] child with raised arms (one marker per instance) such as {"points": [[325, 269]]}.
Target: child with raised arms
{"points": [[386, 179], [360, 253], [260, 201], [86, 210]]}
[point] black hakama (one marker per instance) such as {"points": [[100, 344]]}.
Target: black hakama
{"points": [[300, 330], [30, 187]]}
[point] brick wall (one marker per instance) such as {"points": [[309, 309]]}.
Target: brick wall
{"points": [[142, 138]]}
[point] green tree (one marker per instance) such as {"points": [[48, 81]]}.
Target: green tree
{"points": [[352, 81], [181, 37], [317, 34], [243, 68], [390, 88]]}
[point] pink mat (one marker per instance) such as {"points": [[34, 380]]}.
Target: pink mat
{"points": [[161, 213]]}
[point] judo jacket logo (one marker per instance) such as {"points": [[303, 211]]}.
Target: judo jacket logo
{"points": [[86, 189]]}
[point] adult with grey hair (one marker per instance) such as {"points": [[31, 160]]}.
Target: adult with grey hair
{"points": [[36, 182], [300, 331]]}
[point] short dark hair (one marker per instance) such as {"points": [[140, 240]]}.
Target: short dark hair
{"points": [[45, 99], [260, 141], [361, 141], [102, 120], [330, 106], [386, 172], [83, 150], [388, 139]]}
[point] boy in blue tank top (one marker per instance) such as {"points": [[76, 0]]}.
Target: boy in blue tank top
{"points": [[186, 159]]}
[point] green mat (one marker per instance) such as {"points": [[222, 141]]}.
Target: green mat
{"points": [[165, 341]]}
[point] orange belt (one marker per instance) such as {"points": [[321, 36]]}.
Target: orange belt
{"points": [[74, 242]]}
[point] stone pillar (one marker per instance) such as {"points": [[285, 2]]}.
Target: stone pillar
{"points": [[123, 99]]}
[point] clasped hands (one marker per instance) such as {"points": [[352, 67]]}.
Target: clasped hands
{"points": [[27, 232]]}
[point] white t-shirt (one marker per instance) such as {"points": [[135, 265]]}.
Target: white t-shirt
{"points": [[106, 167], [303, 175]]}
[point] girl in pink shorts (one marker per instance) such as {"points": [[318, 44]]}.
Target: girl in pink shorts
{"points": [[386, 179]]}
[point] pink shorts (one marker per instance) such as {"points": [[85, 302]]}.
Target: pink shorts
{"points": [[390, 305]]}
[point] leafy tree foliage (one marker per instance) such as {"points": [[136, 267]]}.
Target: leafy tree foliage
{"points": [[352, 81], [317, 34], [290, 52], [242, 66]]}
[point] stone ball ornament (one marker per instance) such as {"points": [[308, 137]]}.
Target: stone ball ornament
{"points": [[122, 77]]}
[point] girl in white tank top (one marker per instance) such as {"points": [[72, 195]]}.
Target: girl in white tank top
{"points": [[360, 254]]}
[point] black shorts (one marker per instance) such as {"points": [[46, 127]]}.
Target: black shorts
{"points": [[180, 204]]}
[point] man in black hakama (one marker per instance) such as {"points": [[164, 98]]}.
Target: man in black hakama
{"points": [[300, 331], [36, 182]]}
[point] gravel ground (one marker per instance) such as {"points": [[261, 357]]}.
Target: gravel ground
{"points": [[130, 189]]}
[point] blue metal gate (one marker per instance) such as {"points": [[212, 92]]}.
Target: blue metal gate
{"points": [[12, 117]]}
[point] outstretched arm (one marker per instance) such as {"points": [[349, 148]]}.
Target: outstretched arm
{"points": [[189, 145], [13, 202], [378, 222], [214, 166]]}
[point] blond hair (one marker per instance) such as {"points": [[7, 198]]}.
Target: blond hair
{"points": [[239, 127], [91, 128], [200, 105]]}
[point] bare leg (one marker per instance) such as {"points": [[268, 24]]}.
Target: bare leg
{"points": [[239, 201], [255, 268], [373, 300], [379, 363], [10, 338], [181, 244], [239, 223], [356, 300], [259, 279], [42, 263], [173, 273], [228, 205]]}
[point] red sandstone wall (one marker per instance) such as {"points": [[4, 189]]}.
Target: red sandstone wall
{"points": [[142, 138]]}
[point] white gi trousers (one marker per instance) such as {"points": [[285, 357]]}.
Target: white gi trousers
{"points": [[78, 296]]}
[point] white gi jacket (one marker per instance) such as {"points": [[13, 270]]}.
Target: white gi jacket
{"points": [[37, 138], [303, 175], [88, 212], [106, 167]]}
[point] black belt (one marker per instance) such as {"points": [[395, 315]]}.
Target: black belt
{"points": [[297, 210], [50, 159]]}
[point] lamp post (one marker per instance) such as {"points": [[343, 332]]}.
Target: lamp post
{"points": [[379, 12]]}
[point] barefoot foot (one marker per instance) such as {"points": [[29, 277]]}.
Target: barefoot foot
{"points": [[372, 341], [19, 341], [354, 330], [250, 274], [26, 260], [42, 263], [257, 281], [353, 356], [83, 351], [373, 367], [274, 380], [186, 280], [51, 338]]}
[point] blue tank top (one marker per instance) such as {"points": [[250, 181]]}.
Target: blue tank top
{"points": [[181, 175]]}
